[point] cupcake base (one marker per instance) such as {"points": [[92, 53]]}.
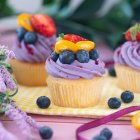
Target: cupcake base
{"points": [[128, 78], [29, 74], [79, 93]]}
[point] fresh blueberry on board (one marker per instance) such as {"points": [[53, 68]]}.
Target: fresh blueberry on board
{"points": [[107, 133], [94, 54], [20, 33], [66, 57], [30, 38], [43, 102], [99, 137], [114, 103], [82, 56], [45, 132], [54, 56], [127, 96], [112, 72]]}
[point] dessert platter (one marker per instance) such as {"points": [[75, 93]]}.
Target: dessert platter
{"points": [[64, 75]]}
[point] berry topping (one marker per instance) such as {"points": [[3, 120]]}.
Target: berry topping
{"points": [[43, 24], [73, 38], [67, 57], [24, 21], [43, 102], [54, 56], [62, 45], [107, 133], [30, 50], [85, 45], [133, 33], [127, 96], [114, 103], [112, 72], [45, 132], [30, 38], [94, 54], [20, 33], [99, 137], [82, 56]]}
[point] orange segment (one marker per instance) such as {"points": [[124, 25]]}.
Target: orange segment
{"points": [[85, 45], [24, 21], [65, 45], [136, 121]]}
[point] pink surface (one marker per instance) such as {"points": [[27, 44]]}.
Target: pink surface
{"points": [[64, 128]]}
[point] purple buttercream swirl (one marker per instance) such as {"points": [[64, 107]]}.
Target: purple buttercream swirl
{"points": [[75, 70], [128, 54], [34, 53]]}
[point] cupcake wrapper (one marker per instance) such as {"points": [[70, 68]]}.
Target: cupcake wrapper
{"points": [[128, 78], [75, 93], [29, 74]]}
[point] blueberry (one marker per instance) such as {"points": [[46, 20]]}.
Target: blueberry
{"points": [[94, 54], [54, 56], [112, 72], [82, 56], [43, 102], [114, 103], [107, 133], [67, 57], [99, 137], [20, 33], [127, 96], [30, 38], [45, 132]]}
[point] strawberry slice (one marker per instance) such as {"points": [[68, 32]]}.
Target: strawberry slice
{"points": [[43, 24], [133, 33], [73, 38]]}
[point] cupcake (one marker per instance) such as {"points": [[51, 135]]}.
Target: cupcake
{"points": [[127, 61], [75, 73], [36, 37]]}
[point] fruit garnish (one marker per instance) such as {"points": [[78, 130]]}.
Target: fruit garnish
{"points": [[107, 133], [136, 121], [94, 54], [85, 45], [20, 33], [114, 103], [54, 56], [45, 132], [43, 102], [67, 57], [133, 33], [62, 45], [30, 38], [127, 96], [82, 56], [73, 38], [43, 24], [24, 21], [30, 50]]}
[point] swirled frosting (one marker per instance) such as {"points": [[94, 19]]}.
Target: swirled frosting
{"points": [[75, 70], [34, 53], [128, 54]]}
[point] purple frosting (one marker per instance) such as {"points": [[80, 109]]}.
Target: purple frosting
{"points": [[75, 70], [34, 53], [128, 54]]}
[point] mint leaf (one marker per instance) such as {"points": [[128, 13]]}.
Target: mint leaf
{"points": [[133, 33]]}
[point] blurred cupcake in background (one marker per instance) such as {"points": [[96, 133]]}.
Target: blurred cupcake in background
{"points": [[127, 60], [36, 36], [75, 72]]}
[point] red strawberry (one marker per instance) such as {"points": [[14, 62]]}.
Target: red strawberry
{"points": [[133, 33], [43, 24], [73, 38]]}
